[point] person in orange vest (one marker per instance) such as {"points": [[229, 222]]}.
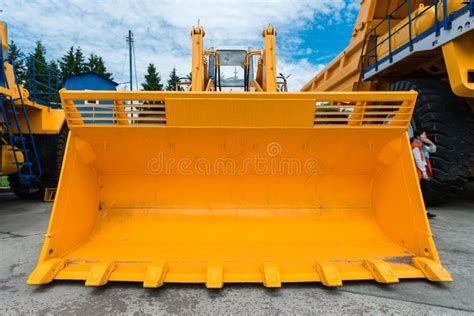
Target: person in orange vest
{"points": [[422, 147]]}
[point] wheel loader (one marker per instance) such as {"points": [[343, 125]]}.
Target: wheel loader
{"points": [[425, 46], [252, 185], [33, 132]]}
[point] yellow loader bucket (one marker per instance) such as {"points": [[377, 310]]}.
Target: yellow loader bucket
{"points": [[196, 187]]}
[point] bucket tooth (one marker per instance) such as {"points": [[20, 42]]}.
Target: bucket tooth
{"points": [[329, 274], [100, 274], [155, 275], [433, 270], [381, 271], [215, 276], [271, 275], [46, 271]]}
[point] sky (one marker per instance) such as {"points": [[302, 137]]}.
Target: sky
{"points": [[309, 33]]}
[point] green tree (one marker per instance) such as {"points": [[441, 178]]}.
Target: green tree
{"points": [[66, 64], [38, 78], [72, 63], [55, 80], [153, 83], [152, 80], [79, 66], [54, 67], [96, 64], [18, 58], [172, 80]]}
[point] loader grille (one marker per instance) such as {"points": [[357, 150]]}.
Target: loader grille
{"points": [[116, 112], [362, 113], [239, 110]]}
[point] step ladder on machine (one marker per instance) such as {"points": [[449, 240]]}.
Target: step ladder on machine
{"points": [[21, 139]]}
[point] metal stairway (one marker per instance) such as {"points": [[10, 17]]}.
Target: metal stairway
{"points": [[21, 140]]}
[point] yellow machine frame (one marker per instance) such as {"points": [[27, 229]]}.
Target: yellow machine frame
{"points": [[42, 119]]}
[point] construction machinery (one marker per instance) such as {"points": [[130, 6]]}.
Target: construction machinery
{"points": [[255, 185], [426, 46], [33, 128]]}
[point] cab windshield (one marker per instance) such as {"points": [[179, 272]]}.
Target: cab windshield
{"points": [[232, 68]]}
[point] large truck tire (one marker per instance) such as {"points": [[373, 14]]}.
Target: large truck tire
{"points": [[53, 160], [51, 151], [25, 193], [447, 120]]}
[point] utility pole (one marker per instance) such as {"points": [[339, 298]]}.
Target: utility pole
{"points": [[130, 45]]}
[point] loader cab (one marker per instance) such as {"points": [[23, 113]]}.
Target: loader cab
{"points": [[230, 75]]}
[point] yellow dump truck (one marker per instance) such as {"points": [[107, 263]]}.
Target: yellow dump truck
{"points": [[33, 132], [257, 185], [425, 46]]}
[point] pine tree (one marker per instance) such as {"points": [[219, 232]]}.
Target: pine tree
{"points": [[55, 78], [54, 67], [39, 54], [67, 62], [96, 64], [152, 83], [38, 70], [79, 65], [17, 56], [172, 81], [152, 79], [72, 63]]}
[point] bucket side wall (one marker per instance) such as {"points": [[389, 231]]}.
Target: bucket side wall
{"points": [[76, 206], [397, 201]]}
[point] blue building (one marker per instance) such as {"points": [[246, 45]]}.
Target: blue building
{"points": [[88, 81], [92, 81]]}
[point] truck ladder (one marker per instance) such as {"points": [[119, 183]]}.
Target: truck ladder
{"points": [[20, 140]]}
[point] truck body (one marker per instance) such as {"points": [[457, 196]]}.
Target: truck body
{"points": [[33, 128], [426, 46]]}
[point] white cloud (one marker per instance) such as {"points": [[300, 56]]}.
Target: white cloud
{"points": [[161, 29], [301, 72]]}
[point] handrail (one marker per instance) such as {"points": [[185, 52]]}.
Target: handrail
{"points": [[43, 87], [397, 29], [371, 52]]}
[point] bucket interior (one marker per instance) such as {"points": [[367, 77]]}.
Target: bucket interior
{"points": [[233, 194]]}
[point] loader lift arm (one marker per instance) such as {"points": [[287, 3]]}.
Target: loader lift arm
{"points": [[266, 78]]}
